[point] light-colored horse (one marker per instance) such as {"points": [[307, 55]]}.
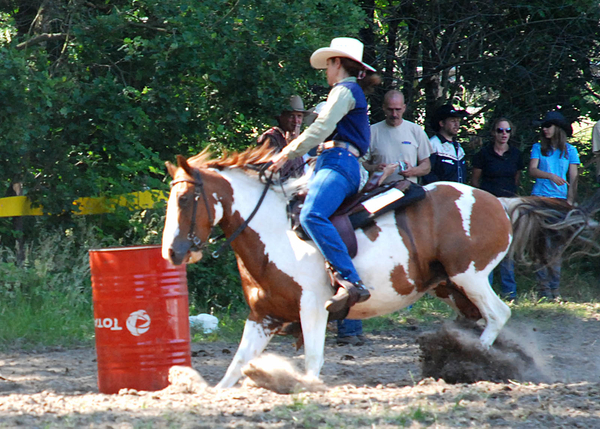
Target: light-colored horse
{"points": [[446, 244]]}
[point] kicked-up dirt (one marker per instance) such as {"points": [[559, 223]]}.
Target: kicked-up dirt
{"points": [[380, 384]]}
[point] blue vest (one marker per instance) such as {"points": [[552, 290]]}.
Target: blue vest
{"points": [[354, 127]]}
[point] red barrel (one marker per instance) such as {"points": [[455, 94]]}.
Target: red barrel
{"points": [[141, 317]]}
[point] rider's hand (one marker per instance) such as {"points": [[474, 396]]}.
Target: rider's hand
{"points": [[278, 161], [558, 180], [388, 169]]}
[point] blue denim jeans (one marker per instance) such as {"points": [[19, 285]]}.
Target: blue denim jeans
{"points": [[336, 176], [349, 328], [548, 280], [508, 284]]}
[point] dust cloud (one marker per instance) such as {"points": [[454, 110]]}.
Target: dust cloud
{"points": [[453, 353]]}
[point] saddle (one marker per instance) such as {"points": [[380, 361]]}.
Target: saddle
{"points": [[360, 210]]}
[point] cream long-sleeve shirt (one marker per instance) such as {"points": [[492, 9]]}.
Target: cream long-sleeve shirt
{"points": [[339, 102]]}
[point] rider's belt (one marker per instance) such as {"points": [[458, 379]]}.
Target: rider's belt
{"points": [[336, 143]]}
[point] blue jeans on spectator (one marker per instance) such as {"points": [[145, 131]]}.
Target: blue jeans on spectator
{"points": [[549, 281], [349, 328], [508, 283], [336, 177]]}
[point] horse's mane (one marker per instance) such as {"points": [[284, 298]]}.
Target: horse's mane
{"points": [[251, 157], [249, 161]]}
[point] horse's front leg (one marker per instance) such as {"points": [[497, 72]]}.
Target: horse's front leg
{"points": [[313, 318], [254, 340]]}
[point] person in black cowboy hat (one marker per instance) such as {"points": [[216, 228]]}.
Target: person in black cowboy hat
{"points": [[448, 157], [554, 165], [287, 129]]}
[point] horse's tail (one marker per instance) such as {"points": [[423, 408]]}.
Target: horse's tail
{"points": [[544, 228]]}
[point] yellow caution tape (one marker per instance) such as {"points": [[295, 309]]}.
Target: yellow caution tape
{"points": [[21, 206]]}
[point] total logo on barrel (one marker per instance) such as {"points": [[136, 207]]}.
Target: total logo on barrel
{"points": [[138, 323]]}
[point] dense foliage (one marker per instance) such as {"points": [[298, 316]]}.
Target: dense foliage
{"points": [[122, 85]]}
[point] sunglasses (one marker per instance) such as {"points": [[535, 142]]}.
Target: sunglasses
{"points": [[502, 130]]}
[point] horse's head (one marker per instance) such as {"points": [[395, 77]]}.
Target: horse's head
{"points": [[201, 195], [191, 213]]}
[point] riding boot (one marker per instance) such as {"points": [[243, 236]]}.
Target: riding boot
{"points": [[347, 294]]}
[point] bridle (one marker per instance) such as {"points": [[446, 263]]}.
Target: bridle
{"points": [[196, 180], [198, 191]]}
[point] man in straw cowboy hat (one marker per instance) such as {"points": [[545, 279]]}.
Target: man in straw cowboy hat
{"points": [[288, 126], [337, 171]]}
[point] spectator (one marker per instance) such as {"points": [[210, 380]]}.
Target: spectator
{"points": [[596, 148], [288, 128], [396, 141], [350, 332], [497, 169], [448, 157], [554, 166]]}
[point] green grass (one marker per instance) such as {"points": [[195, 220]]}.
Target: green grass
{"points": [[51, 321], [231, 326], [45, 300]]}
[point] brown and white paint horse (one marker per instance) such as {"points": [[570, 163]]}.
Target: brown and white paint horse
{"points": [[446, 244]]}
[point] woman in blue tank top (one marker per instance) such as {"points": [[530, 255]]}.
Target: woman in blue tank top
{"points": [[337, 172]]}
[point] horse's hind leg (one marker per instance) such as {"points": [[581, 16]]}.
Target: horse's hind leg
{"points": [[254, 340], [494, 311]]}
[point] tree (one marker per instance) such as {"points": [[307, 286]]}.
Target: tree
{"points": [[511, 58], [99, 94]]}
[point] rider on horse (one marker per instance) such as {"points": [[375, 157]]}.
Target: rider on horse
{"points": [[337, 171]]}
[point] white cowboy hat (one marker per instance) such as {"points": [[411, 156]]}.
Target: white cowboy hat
{"points": [[346, 47]]}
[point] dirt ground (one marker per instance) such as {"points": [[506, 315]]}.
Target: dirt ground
{"points": [[377, 385]]}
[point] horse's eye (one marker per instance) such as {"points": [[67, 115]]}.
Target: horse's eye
{"points": [[184, 200]]}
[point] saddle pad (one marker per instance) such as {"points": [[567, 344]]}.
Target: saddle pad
{"points": [[386, 198], [360, 210]]}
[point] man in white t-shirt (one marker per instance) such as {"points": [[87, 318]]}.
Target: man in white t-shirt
{"points": [[398, 147]]}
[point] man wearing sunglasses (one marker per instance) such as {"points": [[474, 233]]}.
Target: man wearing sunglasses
{"points": [[448, 157]]}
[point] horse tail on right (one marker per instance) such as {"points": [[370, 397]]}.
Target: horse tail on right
{"points": [[544, 228]]}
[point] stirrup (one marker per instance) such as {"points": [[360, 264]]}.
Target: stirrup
{"points": [[347, 295]]}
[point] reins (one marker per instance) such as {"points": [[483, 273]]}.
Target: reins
{"points": [[199, 191]]}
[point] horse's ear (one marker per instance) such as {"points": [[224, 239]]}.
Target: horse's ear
{"points": [[182, 163], [171, 169]]}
